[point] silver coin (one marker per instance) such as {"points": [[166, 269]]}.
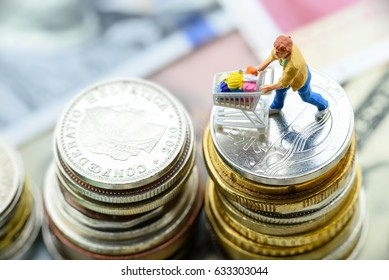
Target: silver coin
{"points": [[355, 253], [11, 179], [51, 244], [352, 245], [54, 204], [120, 247], [126, 209], [53, 193], [183, 164], [22, 244], [295, 147], [121, 134]]}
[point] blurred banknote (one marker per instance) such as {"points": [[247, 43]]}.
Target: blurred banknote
{"points": [[49, 52], [338, 37], [349, 41], [369, 94]]}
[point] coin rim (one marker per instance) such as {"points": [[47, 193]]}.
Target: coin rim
{"points": [[121, 183], [295, 179]]}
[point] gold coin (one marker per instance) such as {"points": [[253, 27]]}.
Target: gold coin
{"points": [[278, 246], [316, 237], [256, 196], [216, 166], [16, 223], [281, 226], [236, 251]]}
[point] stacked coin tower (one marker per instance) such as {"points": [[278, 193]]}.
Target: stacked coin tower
{"points": [[20, 207], [124, 183], [292, 191]]}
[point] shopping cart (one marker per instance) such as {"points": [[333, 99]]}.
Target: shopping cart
{"points": [[243, 109]]}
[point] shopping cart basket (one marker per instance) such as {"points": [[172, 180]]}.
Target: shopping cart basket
{"points": [[243, 109]]}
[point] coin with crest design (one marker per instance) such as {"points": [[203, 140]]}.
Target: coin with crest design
{"points": [[121, 134]]}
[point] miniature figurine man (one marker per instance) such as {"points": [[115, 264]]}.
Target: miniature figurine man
{"points": [[295, 74]]}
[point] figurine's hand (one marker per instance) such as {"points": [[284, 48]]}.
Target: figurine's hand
{"points": [[267, 89]]}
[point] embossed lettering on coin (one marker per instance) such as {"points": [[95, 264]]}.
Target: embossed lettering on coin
{"points": [[121, 134]]}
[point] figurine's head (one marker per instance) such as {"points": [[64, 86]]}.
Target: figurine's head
{"points": [[283, 46]]}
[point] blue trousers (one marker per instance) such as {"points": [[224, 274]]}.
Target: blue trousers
{"points": [[306, 94]]}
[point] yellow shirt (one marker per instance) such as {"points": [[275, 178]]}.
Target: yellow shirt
{"points": [[295, 71]]}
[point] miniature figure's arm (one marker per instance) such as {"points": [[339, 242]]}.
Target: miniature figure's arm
{"points": [[266, 62], [269, 88], [286, 79]]}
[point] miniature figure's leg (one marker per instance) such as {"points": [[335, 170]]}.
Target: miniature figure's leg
{"points": [[278, 102], [307, 95]]}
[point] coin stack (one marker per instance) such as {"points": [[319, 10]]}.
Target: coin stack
{"points": [[20, 207], [124, 182], [292, 191]]}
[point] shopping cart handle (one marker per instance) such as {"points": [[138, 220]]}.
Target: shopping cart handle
{"points": [[262, 77]]}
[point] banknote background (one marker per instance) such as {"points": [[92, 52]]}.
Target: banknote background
{"points": [[49, 52], [189, 77], [348, 40]]}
